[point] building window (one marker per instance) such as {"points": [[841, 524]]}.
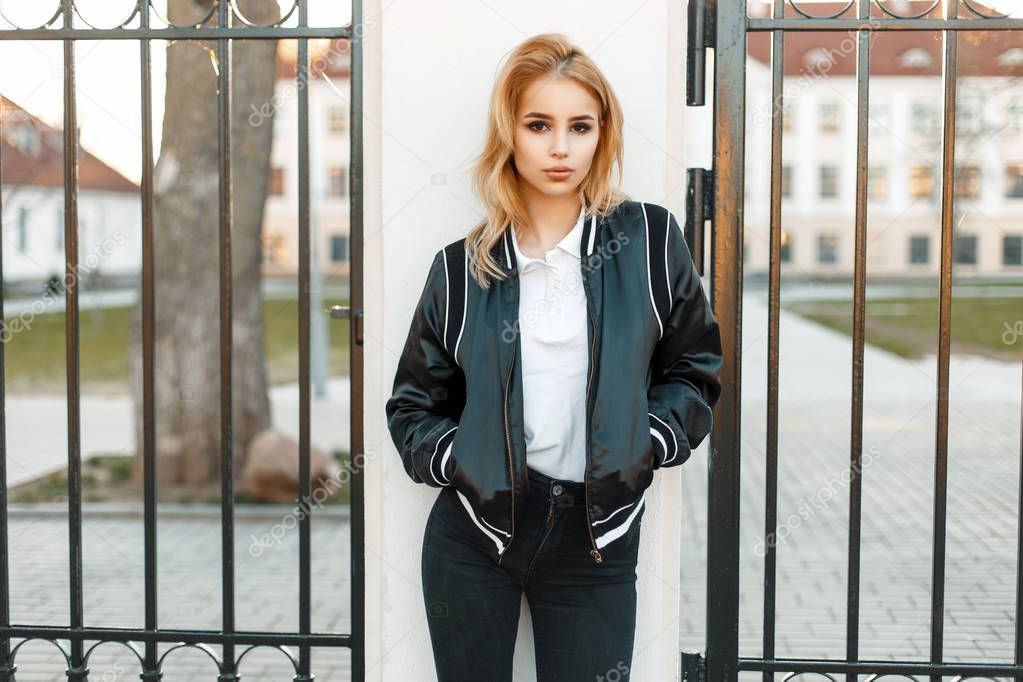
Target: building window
{"points": [[786, 181], [338, 181], [1014, 113], [921, 182], [785, 253], [916, 58], [1012, 249], [827, 248], [878, 117], [338, 247], [828, 182], [969, 118], [1011, 57], [27, 138], [273, 248], [877, 182], [967, 182], [276, 181], [830, 114], [1014, 181], [338, 120], [818, 58], [23, 228], [788, 116], [924, 116], [964, 249], [919, 249]]}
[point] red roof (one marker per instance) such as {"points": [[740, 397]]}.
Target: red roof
{"points": [[892, 53], [32, 153]]}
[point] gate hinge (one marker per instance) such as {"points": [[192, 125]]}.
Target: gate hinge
{"points": [[699, 209], [694, 667], [700, 36]]}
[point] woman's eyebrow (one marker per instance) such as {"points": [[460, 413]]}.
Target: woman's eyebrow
{"points": [[536, 114]]}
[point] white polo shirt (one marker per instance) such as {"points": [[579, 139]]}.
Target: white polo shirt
{"points": [[553, 330]]}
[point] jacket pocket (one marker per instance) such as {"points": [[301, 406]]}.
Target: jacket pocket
{"points": [[449, 464], [442, 461], [663, 439]]}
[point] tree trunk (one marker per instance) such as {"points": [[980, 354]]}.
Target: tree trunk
{"points": [[187, 253]]}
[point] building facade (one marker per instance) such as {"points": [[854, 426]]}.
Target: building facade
{"points": [[818, 175], [328, 86]]}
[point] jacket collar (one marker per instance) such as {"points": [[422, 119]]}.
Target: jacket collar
{"points": [[586, 230]]}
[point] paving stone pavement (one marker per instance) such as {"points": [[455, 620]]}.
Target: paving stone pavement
{"points": [[898, 445], [813, 501], [188, 583]]}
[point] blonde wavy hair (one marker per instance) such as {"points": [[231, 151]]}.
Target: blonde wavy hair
{"points": [[495, 179]]}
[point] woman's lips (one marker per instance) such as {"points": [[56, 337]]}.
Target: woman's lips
{"points": [[558, 174]]}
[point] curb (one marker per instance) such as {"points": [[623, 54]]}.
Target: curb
{"points": [[173, 511]]}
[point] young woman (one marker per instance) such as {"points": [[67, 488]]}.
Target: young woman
{"points": [[559, 354]]}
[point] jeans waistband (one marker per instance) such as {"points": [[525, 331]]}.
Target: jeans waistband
{"points": [[563, 493]]}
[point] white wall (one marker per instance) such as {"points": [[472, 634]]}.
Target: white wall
{"points": [[425, 113]]}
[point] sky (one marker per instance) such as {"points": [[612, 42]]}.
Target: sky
{"points": [[108, 72]]}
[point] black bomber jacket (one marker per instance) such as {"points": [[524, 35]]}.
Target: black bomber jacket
{"points": [[455, 413]]}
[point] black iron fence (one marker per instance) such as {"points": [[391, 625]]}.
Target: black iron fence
{"points": [[724, 26], [76, 641]]}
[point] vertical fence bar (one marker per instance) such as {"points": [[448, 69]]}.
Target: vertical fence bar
{"points": [[726, 276], [304, 539], [150, 671], [773, 341], [1018, 658], [228, 669], [356, 357], [77, 670], [7, 666], [852, 624], [948, 74]]}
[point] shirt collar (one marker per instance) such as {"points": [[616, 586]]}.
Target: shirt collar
{"points": [[571, 242]]}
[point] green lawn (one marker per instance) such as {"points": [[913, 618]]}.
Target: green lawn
{"points": [[909, 326], [35, 356]]}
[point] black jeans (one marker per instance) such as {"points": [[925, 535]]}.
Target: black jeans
{"points": [[583, 613]]}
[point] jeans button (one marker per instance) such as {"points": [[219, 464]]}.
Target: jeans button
{"points": [[557, 489]]}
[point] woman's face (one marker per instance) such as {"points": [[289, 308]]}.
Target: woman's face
{"points": [[556, 127]]}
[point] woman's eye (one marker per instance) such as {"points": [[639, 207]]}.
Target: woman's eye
{"points": [[578, 127]]}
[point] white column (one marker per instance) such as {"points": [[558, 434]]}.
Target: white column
{"points": [[429, 71]]}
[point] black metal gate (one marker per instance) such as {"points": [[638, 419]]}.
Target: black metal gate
{"points": [[718, 194], [222, 24]]}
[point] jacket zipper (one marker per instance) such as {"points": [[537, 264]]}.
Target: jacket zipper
{"points": [[511, 468], [595, 553]]}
